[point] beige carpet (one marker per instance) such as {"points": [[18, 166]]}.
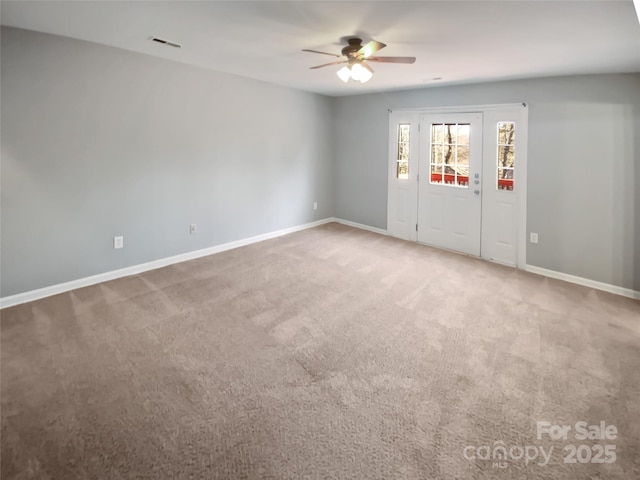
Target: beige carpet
{"points": [[331, 353]]}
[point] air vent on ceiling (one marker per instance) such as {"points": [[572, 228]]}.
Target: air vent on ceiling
{"points": [[166, 42]]}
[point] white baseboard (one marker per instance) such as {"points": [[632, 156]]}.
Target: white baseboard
{"points": [[163, 262], [32, 295], [360, 226], [606, 287]]}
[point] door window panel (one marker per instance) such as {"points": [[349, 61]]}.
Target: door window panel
{"points": [[450, 154], [404, 143], [506, 155]]}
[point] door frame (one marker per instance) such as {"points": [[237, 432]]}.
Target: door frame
{"points": [[410, 185]]}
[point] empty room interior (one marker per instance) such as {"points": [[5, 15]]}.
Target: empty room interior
{"points": [[320, 240]]}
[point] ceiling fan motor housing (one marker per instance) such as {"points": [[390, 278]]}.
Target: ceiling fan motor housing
{"points": [[351, 50]]}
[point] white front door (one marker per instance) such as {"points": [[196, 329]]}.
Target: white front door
{"points": [[449, 184]]}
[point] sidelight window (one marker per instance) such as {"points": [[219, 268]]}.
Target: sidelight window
{"points": [[506, 155], [402, 160]]}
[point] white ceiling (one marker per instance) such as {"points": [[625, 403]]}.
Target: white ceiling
{"points": [[459, 41]]}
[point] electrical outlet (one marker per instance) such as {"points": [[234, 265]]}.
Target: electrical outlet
{"points": [[193, 228], [533, 237], [315, 205], [118, 242]]}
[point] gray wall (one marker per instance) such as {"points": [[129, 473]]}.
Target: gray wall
{"points": [[583, 165], [98, 142]]}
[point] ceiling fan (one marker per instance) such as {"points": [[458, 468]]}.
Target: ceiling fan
{"points": [[355, 55]]}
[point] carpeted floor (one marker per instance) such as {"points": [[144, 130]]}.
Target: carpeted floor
{"points": [[332, 353]]}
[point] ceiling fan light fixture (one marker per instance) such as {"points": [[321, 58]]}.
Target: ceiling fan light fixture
{"points": [[365, 75], [360, 74], [356, 70], [357, 58], [344, 73]]}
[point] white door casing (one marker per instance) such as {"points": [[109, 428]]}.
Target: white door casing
{"points": [[502, 214]]}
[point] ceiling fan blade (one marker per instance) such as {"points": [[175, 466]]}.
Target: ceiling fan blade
{"points": [[366, 65], [392, 59], [371, 48], [323, 53], [327, 64]]}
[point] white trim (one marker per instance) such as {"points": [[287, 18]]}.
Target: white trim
{"points": [[522, 173], [459, 109], [163, 262], [605, 287], [145, 267], [360, 226]]}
